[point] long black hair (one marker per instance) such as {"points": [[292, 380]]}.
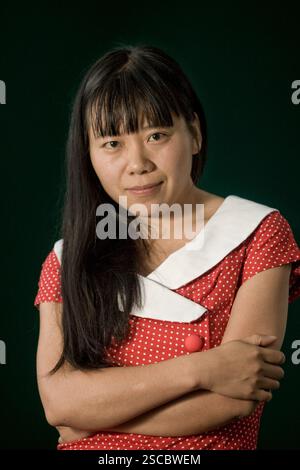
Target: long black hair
{"points": [[96, 274]]}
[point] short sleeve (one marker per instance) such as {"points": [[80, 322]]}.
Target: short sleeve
{"points": [[49, 285], [272, 245]]}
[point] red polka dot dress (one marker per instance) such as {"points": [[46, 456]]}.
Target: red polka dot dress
{"points": [[192, 293]]}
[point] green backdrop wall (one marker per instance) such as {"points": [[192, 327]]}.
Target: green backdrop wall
{"points": [[242, 59]]}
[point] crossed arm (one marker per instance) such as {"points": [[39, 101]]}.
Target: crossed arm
{"points": [[260, 307]]}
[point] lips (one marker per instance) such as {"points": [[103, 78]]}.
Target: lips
{"points": [[151, 185]]}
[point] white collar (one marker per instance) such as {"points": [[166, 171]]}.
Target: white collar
{"points": [[235, 219]]}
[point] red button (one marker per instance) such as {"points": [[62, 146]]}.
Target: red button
{"points": [[194, 343]]}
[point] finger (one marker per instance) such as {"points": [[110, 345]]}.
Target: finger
{"points": [[273, 372], [263, 395], [260, 340], [268, 384], [272, 356], [263, 340]]}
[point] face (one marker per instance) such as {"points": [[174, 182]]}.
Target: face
{"points": [[160, 156]]}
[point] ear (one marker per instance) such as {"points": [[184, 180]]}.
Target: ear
{"points": [[197, 144]]}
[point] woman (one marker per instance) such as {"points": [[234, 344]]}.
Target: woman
{"points": [[158, 342]]}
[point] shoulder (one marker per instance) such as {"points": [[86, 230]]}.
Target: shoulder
{"points": [[235, 216], [49, 284], [272, 244], [264, 223], [273, 226], [259, 226], [234, 207]]}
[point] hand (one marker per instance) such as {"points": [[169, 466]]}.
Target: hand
{"points": [[244, 369]]}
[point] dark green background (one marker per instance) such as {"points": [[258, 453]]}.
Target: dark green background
{"points": [[241, 59]]}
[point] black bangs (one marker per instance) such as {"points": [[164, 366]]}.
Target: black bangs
{"points": [[128, 100]]}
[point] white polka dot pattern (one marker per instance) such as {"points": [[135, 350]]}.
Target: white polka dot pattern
{"points": [[50, 281], [271, 244]]}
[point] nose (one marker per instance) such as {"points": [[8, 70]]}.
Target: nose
{"points": [[138, 160]]}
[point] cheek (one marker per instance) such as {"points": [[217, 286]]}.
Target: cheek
{"points": [[178, 158], [176, 163], [107, 174]]}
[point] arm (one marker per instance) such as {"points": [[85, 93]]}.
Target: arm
{"points": [[260, 306], [194, 413], [102, 397]]}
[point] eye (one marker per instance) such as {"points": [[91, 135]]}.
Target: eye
{"points": [[111, 142], [116, 142], [157, 133]]}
